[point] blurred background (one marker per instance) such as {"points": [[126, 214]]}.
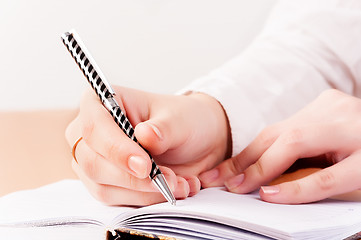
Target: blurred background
{"points": [[153, 45]]}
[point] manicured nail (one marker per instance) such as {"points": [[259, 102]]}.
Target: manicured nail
{"points": [[182, 190], [138, 166], [271, 190], [235, 181], [171, 184], [210, 176], [194, 185], [156, 131]]}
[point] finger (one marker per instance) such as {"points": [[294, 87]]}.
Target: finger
{"points": [[340, 178], [101, 171], [182, 190], [237, 164], [73, 131], [113, 195], [151, 134], [161, 132], [170, 128], [105, 137], [306, 141], [194, 185]]}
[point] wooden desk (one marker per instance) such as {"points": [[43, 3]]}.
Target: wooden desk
{"points": [[33, 150]]}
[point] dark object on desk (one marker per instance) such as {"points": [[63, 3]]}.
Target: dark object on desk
{"points": [[128, 234], [356, 236]]}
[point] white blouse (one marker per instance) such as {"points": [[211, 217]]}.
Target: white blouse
{"points": [[307, 46]]}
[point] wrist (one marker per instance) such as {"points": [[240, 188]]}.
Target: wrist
{"points": [[219, 114]]}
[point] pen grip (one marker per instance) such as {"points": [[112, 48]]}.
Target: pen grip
{"points": [[123, 122], [103, 89]]}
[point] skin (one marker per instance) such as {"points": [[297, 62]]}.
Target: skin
{"points": [[186, 135], [326, 133], [34, 151]]}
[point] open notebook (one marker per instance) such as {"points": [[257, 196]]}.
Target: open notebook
{"points": [[65, 210]]}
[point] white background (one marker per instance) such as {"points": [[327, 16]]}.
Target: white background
{"points": [[153, 45]]}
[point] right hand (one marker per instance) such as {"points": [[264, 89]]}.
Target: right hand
{"points": [[186, 135], [324, 134]]}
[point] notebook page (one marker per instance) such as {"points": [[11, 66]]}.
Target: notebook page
{"points": [[53, 233], [250, 212], [66, 199]]}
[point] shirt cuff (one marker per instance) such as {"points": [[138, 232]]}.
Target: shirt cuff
{"points": [[245, 122]]}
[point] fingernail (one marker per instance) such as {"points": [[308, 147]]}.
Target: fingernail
{"points": [[138, 166], [171, 184], [156, 131], [270, 189], [182, 190], [194, 185], [235, 181], [209, 176]]}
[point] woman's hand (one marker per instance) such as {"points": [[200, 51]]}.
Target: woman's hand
{"points": [[325, 133], [186, 135]]}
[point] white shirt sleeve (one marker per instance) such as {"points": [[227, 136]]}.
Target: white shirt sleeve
{"points": [[306, 47]]}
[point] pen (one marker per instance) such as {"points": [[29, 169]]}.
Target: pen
{"points": [[106, 94]]}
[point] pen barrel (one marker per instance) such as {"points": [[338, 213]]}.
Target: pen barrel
{"points": [[106, 94], [88, 66], [123, 122]]}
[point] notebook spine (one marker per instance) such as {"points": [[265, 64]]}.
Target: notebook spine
{"points": [[129, 234]]}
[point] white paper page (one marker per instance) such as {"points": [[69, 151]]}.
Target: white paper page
{"points": [[271, 219], [68, 198], [196, 228], [53, 233]]}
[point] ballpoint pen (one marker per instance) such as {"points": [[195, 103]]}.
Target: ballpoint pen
{"points": [[106, 94]]}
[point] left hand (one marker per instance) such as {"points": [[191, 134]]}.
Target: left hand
{"points": [[326, 132]]}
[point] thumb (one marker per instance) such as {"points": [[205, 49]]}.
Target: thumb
{"points": [[158, 135]]}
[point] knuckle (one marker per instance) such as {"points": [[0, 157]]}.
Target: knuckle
{"points": [[89, 166], [235, 165], [266, 136], [292, 137], [88, 129], [296, 188], [132, 182], [147, 199], [325, 180], [112, 150], [259, 168]]}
